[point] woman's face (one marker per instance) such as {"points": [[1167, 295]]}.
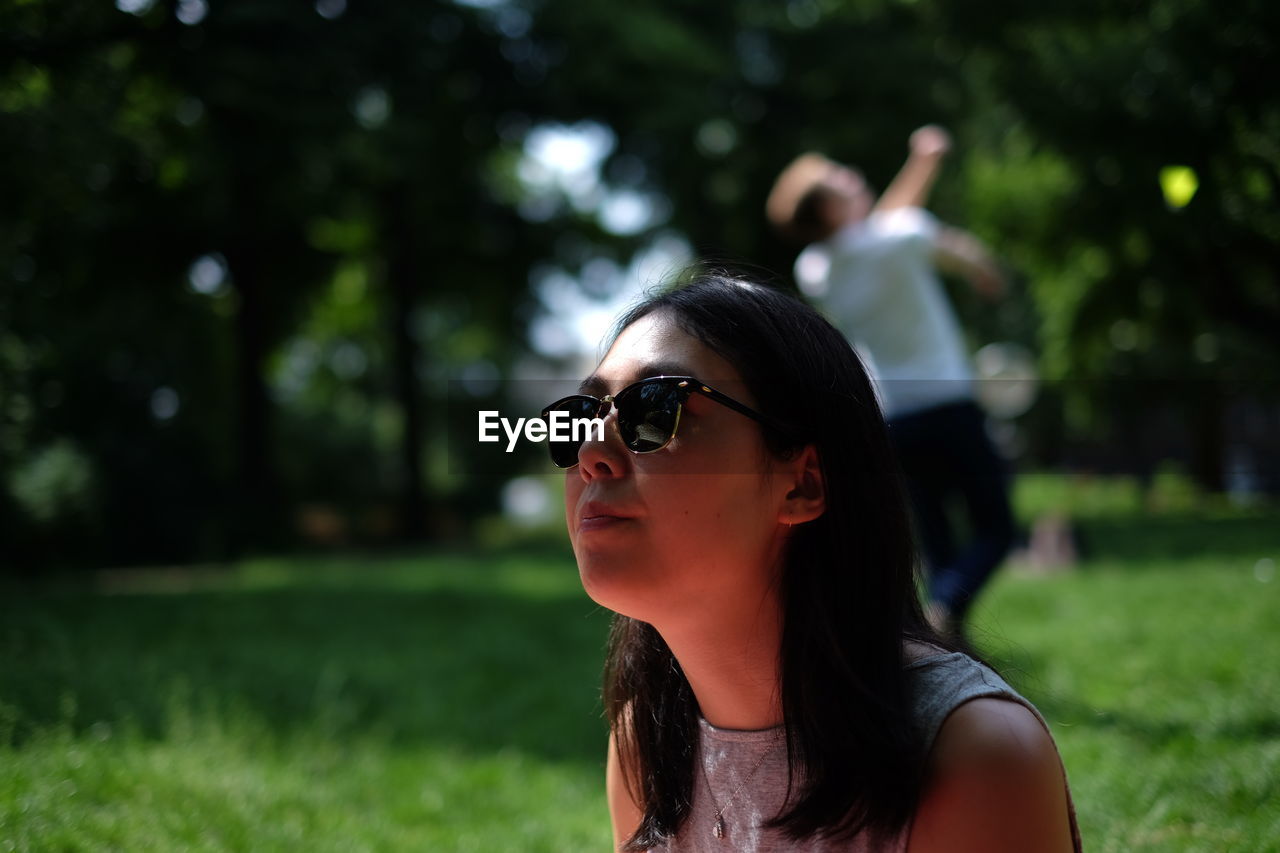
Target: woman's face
{"points": [[694, 525]]}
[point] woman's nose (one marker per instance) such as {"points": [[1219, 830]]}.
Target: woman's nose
{"points": [[606, 457]]}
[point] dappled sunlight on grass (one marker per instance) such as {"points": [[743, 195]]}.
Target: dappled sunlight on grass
{"points": [[458, 651], [1160, 676], [451, 700], [414, 704]]}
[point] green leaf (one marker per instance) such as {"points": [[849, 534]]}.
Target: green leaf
{"points": [[1179, 184]]}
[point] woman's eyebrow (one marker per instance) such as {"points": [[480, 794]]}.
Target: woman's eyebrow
{"points": [[598, 387]]}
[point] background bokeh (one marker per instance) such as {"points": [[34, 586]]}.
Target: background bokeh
{"points": [[244, 247], [262, 260]]}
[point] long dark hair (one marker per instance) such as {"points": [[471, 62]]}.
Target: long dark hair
{"points": [[848, 590]]}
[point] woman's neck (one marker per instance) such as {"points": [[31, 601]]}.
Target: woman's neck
{"points": [[732, 662]]}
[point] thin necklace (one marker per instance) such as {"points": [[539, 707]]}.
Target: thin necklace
{"points": [[718, 830]]}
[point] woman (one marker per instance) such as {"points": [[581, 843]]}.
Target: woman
{"points": [[771, 682]]}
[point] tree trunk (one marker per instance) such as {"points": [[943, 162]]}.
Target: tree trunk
{"points": [[1208, 435], [256, 508], [404, 281]]}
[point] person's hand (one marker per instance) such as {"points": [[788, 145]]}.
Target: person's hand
{"points": [[930, 141], [989, 280]]}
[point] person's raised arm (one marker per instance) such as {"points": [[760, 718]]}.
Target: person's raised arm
{"points": [[958, 252], [910, 187]]}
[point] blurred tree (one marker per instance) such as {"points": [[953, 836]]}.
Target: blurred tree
{"points": [[245, 244], [437, 85], [1123, 158], [98, 358], [224, 147], [1157, 241], [189, 152], [713, 102]]}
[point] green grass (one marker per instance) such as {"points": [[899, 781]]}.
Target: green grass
{"points": [[436, 703], [1162, 683], [450, 701]]}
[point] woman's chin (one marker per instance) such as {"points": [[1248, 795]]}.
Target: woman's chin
{"points": [[624, 589]]}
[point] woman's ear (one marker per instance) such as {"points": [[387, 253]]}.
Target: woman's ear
{"points": [[806, 497]]}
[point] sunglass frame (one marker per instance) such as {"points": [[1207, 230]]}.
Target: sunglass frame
{"points": [[689, 385]]}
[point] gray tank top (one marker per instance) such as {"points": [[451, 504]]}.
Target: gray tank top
{"points": [[753, 763]]}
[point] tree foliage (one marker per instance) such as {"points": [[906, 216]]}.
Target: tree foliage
{"points": [[244, 244]]}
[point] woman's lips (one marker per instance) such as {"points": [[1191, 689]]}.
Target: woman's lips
{"points": [[600, 522], [594, 516]]}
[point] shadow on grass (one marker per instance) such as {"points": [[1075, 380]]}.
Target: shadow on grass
{"points": [[340, 653], [1176, 537], [479, 670], [1150, 728]]}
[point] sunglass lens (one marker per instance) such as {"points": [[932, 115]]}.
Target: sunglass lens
{"points": [[564, 454], [647, 415]]}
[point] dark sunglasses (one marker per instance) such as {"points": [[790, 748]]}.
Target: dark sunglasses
{"points": [[648, 414]]}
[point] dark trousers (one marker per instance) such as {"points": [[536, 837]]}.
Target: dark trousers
{"points": [[950, 464]]}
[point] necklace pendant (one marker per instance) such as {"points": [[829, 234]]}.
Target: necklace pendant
{"points": [[718, 830]]}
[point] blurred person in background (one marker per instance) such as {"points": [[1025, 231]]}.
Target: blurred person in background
{"points": [[871, 264], [771, 682]]}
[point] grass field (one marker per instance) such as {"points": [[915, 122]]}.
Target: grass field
{"points": [[449, 701]]}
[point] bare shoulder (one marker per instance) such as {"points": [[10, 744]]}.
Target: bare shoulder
{"points": [[991, 731], [994, 783]]}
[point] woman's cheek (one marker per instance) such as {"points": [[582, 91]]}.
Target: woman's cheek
{"points": [[573, 486]]}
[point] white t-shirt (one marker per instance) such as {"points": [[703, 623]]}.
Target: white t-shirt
{"points": [[876, 282]]}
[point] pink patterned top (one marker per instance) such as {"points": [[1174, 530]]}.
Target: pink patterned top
{"points": [[753, 764]]}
